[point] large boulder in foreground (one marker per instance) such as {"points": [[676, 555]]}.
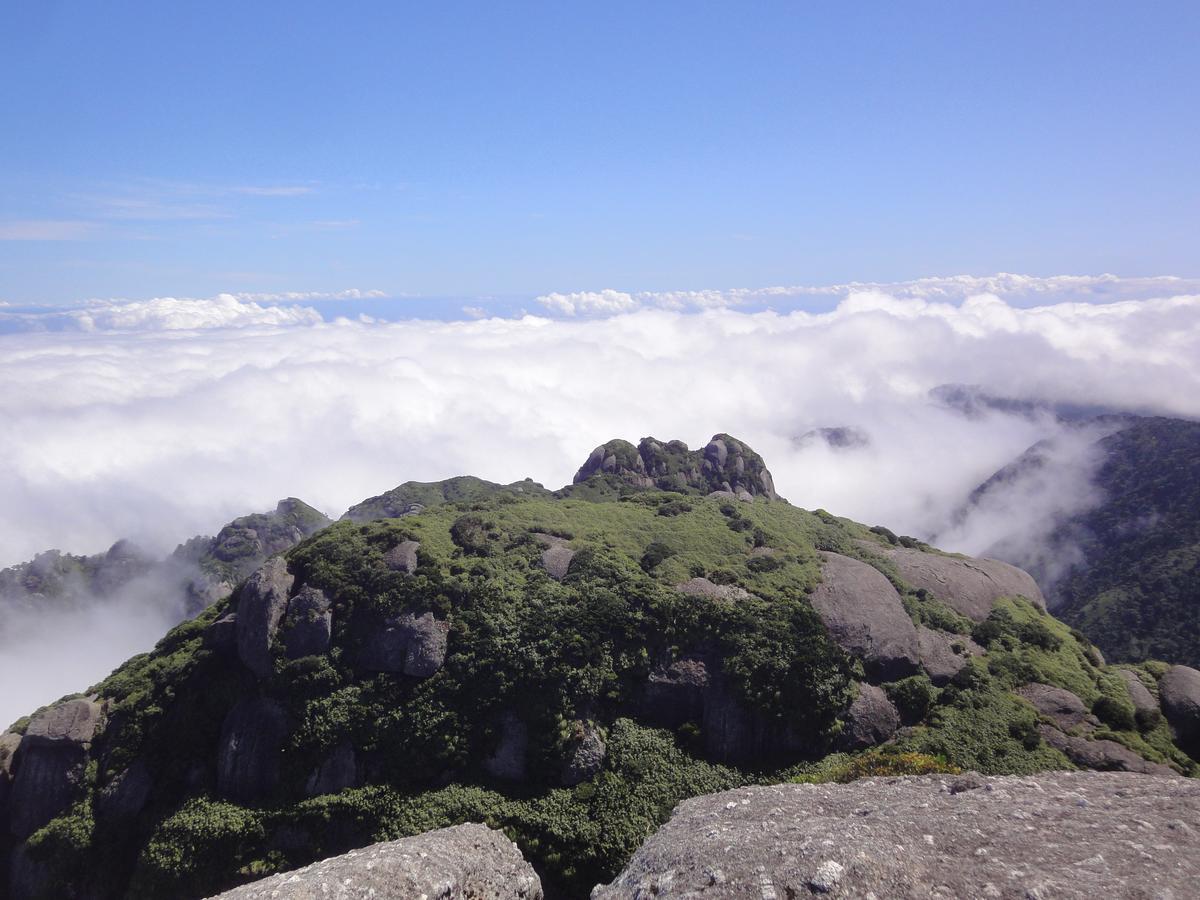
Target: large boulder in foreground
{"points": [[49, 762], [968, 586], [1066, 835], [466, 861], [865, 617]]}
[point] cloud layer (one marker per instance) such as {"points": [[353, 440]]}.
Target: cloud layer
{"points": [[159, 420]]}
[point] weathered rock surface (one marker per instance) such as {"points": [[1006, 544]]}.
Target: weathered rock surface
{"points": [[403, 557], [414, 645], [865, 617], [557, 555], [8, 747], [1102, 755], [338, 772], [262, 603], [1068, 835], [466, 862], [871, 719], [124, 797], [938, 656], [309, 623], [968, 586], [702, 587], [1060, 706], [1139, 694], [725, 465], [508, 760], [49, 764], [586, 756], [1180, 692], [248, 755], [674, 693]]}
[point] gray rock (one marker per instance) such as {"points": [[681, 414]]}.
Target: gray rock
{"points": [[557, 555], [309, 623], [125, 796], [1066, 835], [403, 557], [414, 645], [248, 755], [1143, 700], [968, 586], [27, 878], [1179, 689], [466, 862], [262, 603], [509, 758], [702, 587], [674, 693], [871, 719], [865, 617], [425, 652], [938, 656], [586, 756], [73, 722], [49, 764], [221, 635], [8, 747], [1060, 706], [1104, 756], [338, 772]]}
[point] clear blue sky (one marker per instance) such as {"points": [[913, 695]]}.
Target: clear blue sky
{"points": [[455, 149]]}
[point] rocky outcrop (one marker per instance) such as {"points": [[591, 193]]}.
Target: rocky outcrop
{"points": [[49, 764], [248, 755], [938, 654], [8, 747], [338, 772], [556, 554], [1143, 701], [674, 693], [586, 755], [508, 760], [1068, 835], [1102, 755], [968, 586], [1060, 706], [261, 605], [865, 617], [125, 796], [413, 645], [308, 625], [1180, 692], [702, 587], [466, 861], [725, 464], [403, 557], [871, 719]]}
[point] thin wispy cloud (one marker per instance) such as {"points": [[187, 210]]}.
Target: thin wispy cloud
{"points": [[281, 190], [47, 230]]}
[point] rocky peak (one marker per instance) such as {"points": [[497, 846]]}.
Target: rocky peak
{"points": [[724, 464]]}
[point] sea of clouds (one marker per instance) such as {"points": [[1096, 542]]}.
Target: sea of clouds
{"points": [[163, 418]]}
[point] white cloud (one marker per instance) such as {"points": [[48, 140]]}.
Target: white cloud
{"points": [[166, 418], [46, 230], [606, 302]]}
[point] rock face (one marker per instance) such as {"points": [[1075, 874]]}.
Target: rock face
{"points": [[871, 719], [261, 604], [938, 657], [1180, 692], [309, 623], [557, 555], [725, 464], [702, 587], [1105, 756], [509, 758], [466, 861], [968, 586], [248, 755], [1068, 835], [865, 617], [338, 772], [49, 763], [414, 645], [586, 756], [1062, 707], [1143, 700], [403, 557]]}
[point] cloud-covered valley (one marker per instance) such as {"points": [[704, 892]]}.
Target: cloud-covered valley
{"points": [[163, 420]]}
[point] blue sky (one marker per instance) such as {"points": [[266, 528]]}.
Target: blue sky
{"points": [[461, 151]]}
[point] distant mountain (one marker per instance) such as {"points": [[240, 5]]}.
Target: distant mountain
{"points": [[1123, 566], [412, 497], [566, 666]]}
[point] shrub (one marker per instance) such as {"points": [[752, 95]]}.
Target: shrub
{"points": [[913, 697]]}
